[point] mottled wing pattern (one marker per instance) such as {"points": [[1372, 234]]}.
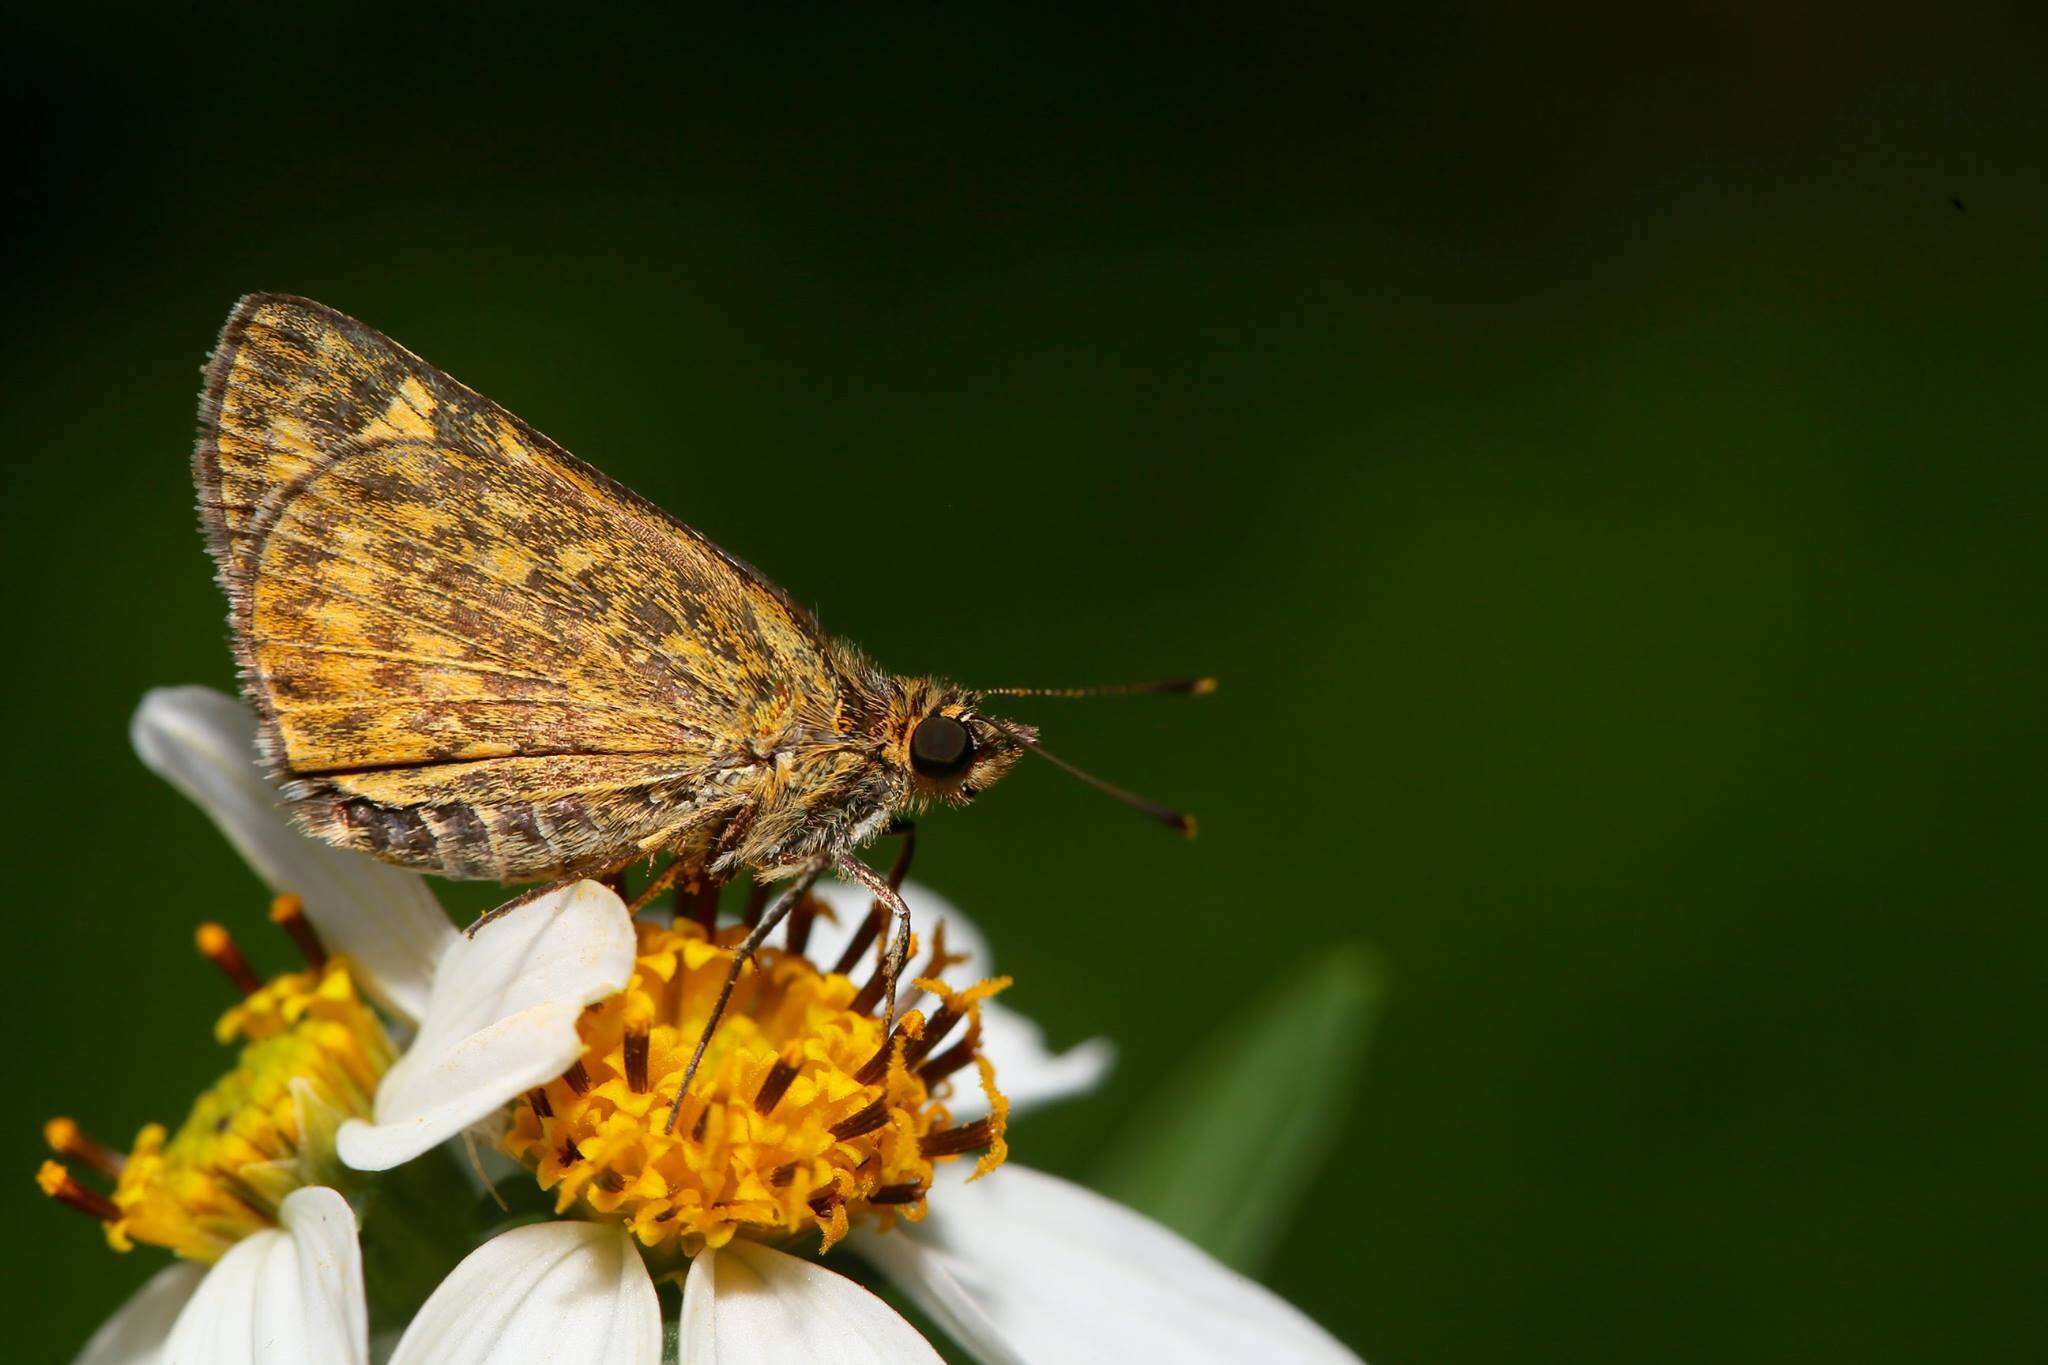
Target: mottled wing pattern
{"points": [[472, 653]]}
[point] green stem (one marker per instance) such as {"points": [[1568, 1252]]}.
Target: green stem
{"points": [[418, 1220]]}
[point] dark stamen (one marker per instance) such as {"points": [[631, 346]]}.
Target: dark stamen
{"points": [[636, 1060], [569, 1153], [879, 984], [968, 1137], [934, 1033], [877, 1066], [66, 1139], [576, 1078], [863, 938], [878, 913], [773, 1087], [951, 1060], [866, 1121], [934, 967], [900, 869], [288, 912], [909, 1192], [62, 1186], [538, 1098], [703, 1117], [782, 1174], [802, 916], [611, 1182], [870, 995], [757, 901], [698, 900], [823, 1204], [221, 951]]}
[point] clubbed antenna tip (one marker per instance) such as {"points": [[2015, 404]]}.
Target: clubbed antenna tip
{"points": [[1178, 821]]}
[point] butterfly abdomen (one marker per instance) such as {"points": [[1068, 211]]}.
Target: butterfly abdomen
{"points": [[451, 840], [506, 839]]}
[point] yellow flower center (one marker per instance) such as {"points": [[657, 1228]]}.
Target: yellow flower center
{"points": [[312, 1054], [801, 1115]]}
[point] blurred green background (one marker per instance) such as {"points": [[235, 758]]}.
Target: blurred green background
{"points": [[1600, 451]]}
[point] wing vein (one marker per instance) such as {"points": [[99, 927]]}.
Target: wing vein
{"points": [[424, 764], [275, 576], [579, 606], [281, 532], [456, 703], [396, 656]]}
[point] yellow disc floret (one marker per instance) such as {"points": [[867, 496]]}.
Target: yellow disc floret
{"points": [[312, 1054], [802, 1114]]}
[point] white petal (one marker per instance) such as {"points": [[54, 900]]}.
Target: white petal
{"points": [[501, 1020], [752, 1305], [1028, 1072], [135, 1334], [292, 1295], [203, 743], [1026, 1266], [562, 1293]]}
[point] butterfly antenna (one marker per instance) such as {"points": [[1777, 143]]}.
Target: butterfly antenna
{"points": [[1179, 821], [1186, 687]]}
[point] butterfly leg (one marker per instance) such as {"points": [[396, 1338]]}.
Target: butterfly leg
{"points": [[878, 913], [498, 912], [759, 933], [663, 880], [689, 871], [614, 877], [899, 945]]}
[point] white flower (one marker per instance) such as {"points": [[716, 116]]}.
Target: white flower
{"points": [[293, 1293], [502, 1017], [575, 1293], [549, 1291], [501, 1020], [381, 918], [1025, 1266], [1020, 1266]]}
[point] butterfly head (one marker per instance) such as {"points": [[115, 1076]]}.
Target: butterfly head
{"points": [[945, 748], [952, 751]]}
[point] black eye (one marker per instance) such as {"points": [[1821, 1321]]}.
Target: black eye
{"points": [[940, 747]]}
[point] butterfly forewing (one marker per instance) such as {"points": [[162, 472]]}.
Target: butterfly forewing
{"points": [[472, 653]]}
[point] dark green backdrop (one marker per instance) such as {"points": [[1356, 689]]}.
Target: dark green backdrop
{"points": [[1601, 454]]}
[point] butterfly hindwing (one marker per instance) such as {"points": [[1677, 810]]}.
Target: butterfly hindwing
{"points": [[471, 652]]}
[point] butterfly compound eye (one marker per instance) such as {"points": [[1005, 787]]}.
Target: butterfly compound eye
{"points": [[940, 747]]}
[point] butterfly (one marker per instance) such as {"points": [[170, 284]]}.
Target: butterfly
{"points": [[473, 654]]}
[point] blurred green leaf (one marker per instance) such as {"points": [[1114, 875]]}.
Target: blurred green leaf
{"points": [[1227, 1154]]}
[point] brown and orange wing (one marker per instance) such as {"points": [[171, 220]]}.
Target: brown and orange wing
{"points": [[471, 652]]}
